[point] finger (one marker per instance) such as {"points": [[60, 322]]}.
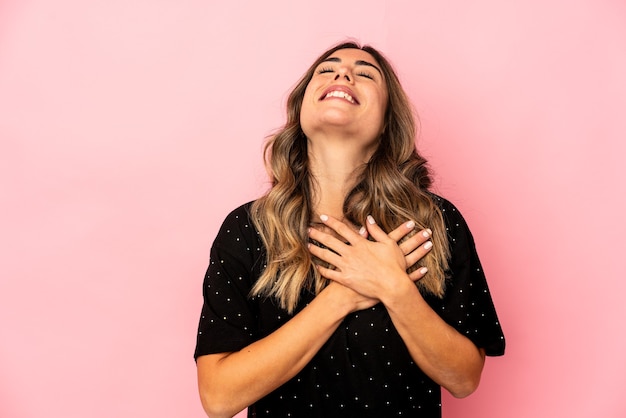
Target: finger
{"points": [[363, 232], [415, 256], [375, 231], [418, 274], [330, 274], [401, 231], [327, 240], [324, 254], [342, 229], [414, 241]]}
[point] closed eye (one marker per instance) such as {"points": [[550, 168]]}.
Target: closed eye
{"points": [[366, 75], [325, 70]]}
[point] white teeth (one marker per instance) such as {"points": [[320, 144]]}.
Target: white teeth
{"points": [[340, 94]]}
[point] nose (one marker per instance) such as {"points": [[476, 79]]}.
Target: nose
{"points": [[344, 72]]}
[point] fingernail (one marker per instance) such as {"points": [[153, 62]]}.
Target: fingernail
{"points": [[410, 224], [423, 270], [428, 245], [324, 218], [362, 231], [370, 220], [426, 233]]}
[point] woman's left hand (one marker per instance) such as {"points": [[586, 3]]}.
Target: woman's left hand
{"points": [[369, 267], [414, 247]]}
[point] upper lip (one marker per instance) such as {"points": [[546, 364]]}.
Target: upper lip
{"points": [[339, 88]]}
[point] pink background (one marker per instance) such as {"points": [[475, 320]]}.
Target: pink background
{"points": [[129, 128]]}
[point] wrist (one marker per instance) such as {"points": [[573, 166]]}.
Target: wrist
{"points": [[402, 291], [335, 297]]}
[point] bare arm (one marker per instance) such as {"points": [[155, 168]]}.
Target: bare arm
{"points": [[377, 270], [229, 382], [449, 358]]}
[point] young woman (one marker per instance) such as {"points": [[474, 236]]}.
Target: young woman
{"points": [[349, 289]]}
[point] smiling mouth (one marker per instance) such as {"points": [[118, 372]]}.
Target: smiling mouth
{"points": [[341, 95]]}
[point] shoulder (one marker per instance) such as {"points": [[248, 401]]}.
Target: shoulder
{"points": [[240, 213], [238, 245], [238, 226], [444, 204], [460, 238], [451, 214], [238, 217]]}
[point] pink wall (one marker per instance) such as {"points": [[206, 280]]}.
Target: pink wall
{"points": [[129, 128]]}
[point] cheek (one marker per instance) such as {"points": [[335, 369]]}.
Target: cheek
{"points": [[308, 94], [305, 111], [384, 104], [308, 101]]}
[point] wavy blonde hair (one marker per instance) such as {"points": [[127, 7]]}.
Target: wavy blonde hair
{"points": [[393, 188]]}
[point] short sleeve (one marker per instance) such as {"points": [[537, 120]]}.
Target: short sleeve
{"points": [[467, 304], [228, 317]]}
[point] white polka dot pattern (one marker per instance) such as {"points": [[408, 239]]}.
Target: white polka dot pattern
{"points": [[364, 369]]}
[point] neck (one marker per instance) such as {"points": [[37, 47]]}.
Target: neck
{"points": [[335, 166]]}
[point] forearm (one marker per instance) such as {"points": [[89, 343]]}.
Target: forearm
{"points": [[445, 355], [378, 270], [229, 383]]}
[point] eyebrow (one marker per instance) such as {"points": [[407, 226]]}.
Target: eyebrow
{"points": [[358, 62]]}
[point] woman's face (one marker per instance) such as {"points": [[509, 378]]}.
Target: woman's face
{"points": [[347, 95]]}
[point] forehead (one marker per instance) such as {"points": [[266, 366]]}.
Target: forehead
{"points": [[350, 55]]}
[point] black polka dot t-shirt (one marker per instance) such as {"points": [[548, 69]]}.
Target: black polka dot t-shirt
{"points": [[364, 369]]}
